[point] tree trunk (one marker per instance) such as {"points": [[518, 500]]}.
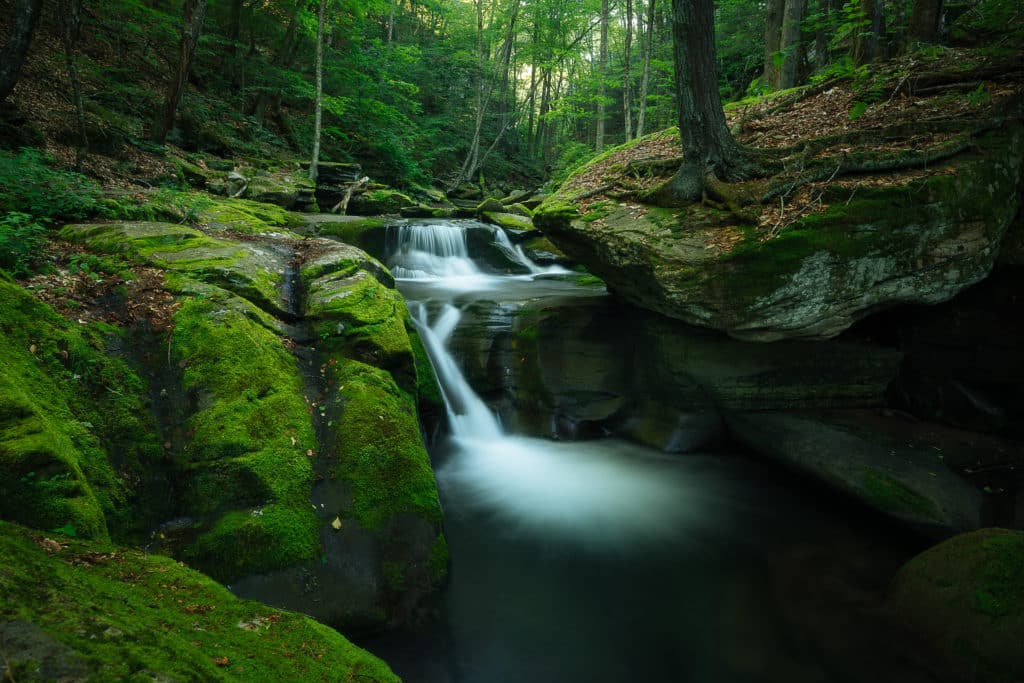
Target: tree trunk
{"points": [[645, 79], [318, 117], [924, 21], [602, 66], [774, 11], [391, 22], [865, 46], [821, 37], [627, 113], [13, 54], [709, 148], [71, 20], [791, 17], [195, 13]]}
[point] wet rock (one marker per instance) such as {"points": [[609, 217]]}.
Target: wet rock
{"points": [[891, 476]]}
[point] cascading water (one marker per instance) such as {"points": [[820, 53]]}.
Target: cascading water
{"points": [[604, 562]]}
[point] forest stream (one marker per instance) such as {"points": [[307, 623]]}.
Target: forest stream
{"points": [[601, 560]]}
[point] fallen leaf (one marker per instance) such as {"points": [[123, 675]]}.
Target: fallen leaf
{"points": [[221, 661], [336, 524]]}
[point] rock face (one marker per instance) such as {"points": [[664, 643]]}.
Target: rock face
{"points": [[921, 241], [274, 432], [909, 484], [585, 366], [113, 614], [965, 597]]}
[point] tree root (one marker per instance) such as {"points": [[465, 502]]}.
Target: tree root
{"points": [[870, 163]]}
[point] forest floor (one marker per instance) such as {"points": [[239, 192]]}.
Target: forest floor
{"points": [[890, 126]]}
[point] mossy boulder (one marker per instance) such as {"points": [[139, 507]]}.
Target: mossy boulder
{"points": [[75, 437], [247, 216], [74, 610], [509, 221], [379, 202], [890, 243], [252, 270], [289, 188], [965, 597]]}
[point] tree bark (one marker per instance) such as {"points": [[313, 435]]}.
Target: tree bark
{"points": [[774, 11], [195, 13], [318, 117], [627, 110], [645, 78], [924, 21], [792, 15], [71, 30], [602, 66], [13, 54], [710, 152], [865, 46]]}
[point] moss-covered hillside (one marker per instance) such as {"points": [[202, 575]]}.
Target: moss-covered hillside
{"points": [[76, 610]]}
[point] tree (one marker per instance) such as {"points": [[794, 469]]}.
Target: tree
{"points": [[602, 66], [924, 20], [12, 56], [710, 153], [645, 78], [195, 13], [71, 29], [319, 105]]}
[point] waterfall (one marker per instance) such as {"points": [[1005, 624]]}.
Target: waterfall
{"points": [[468, 415], [438, 250]]}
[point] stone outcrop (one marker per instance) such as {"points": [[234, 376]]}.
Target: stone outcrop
{"points": [[920, 240], [281, 412]]}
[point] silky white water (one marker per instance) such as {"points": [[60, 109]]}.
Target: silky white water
{"points": [[597, 493]]}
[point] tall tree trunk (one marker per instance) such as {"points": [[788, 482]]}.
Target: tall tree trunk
{"points": [[645, 79], [391, 22], [708, 147], [627, 112], [924, 21], [792, 15], [71, 30], [865, 45], [774, 11], [195, 13], [319, 115], [13, 54], [821, 37], [602, 66]]}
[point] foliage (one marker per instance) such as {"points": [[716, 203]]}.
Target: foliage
{"points": [[30, 185], [21, 238]]}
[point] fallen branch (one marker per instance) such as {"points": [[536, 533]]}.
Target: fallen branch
{"points": [[342, 206]]}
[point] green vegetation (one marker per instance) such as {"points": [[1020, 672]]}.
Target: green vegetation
{"points": [[119, 615], [380, 452], [892, 496]]}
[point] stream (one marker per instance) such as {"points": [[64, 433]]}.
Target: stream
{"points": [[604, 561]]}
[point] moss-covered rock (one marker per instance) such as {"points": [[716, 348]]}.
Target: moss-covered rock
{"points": [[966, 597], [509, 221], [249, 473], [73, 424], [379, 202], [77, 611], [889, 244], [247, 216], [251, 270], [289, 188]]}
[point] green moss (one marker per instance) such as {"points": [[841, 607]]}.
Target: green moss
{"points": [[1001, 589], [382, 201], [249, 440], [244, 215], [129, 615], [73, 423], [553, 212], [428, 391], [380, 452], [438, 559], [351, 231], [508, 221], [890, 495], [365, 320]]}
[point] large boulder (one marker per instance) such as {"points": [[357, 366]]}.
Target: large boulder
{"points": [[75, 611], [920, 240], [965, 597], [295, 446]]}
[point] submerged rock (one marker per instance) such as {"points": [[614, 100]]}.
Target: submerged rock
{"points": [[889, 243], [910, 484]]}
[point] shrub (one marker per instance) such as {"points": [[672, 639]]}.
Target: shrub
{"points": [[28, 185], [21, 238]]}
